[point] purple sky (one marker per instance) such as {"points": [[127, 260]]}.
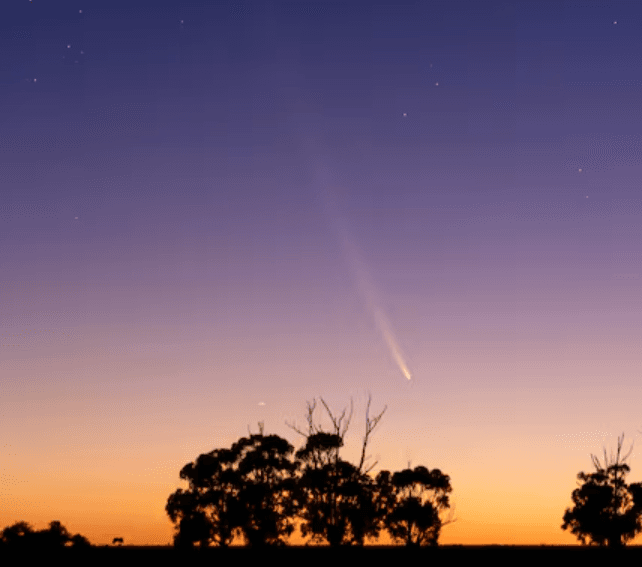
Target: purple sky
{"points": [[208, 207]]}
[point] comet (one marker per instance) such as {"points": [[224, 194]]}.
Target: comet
{"points": [[372, 303], [363, 282], [360, 273], [395, 349]]}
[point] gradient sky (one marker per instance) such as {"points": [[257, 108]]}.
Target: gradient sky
{"points": [[213, 212]]}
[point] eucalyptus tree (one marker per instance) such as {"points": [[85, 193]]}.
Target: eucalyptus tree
{"points": [[246, 491], [607, 511], [335, 499], [209, 511], [266, 472], [411, 501]]}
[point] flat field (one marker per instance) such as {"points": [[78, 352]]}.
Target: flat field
{"points": [[368, 556]]}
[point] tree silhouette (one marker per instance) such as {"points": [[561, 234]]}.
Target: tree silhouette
{"points": [[247, 490], [258, 491], [21, 535], [606, 510], [335, 498], [212, 501], [53, 537], [117, 540], [266, 472], [18, 535], [411, 501]]}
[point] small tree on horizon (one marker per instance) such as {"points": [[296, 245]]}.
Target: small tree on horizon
{"points": [[412, 500], [21, 535], [18, 535], [606, 510]]}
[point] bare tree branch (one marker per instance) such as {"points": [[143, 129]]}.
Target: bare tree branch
{"points": [[309, 417], [295, 429], [370, 425], [311, 408], [341, 428], [371, 467], [337, 422], [614, 460], [451, 519]]}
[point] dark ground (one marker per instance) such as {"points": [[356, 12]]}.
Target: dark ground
{"points": [[369, 556]]}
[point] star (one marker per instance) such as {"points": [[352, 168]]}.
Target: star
{"points": [[76, 218], [615, 22], [68, 46], [405, 114], [80, 11], [436, 84], [580, 170]]}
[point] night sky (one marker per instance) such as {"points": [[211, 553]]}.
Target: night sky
{"points": [[213, 212]]}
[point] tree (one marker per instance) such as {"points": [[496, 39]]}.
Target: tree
{"points": [[18, 535], [335, 499], [606, 510], [330, 493], [266, 472], [411, 501], [117, 540], [21, 535], [53, 537], [245, 490], [212, 501]]}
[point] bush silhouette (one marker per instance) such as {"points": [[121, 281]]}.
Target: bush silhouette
{"points": [[80, 542], [22, 536], [18, 535]]}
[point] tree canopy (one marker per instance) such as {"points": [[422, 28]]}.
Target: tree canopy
{"points": [[266, 474], [413, 499], [606, 511], [209, 511]]}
